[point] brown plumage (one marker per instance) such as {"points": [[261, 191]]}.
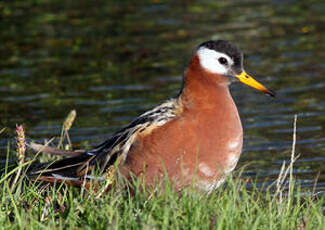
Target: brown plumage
{"points": [[196, 137]]}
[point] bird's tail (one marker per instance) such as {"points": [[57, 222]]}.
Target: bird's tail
{"points": [[72, 170], [78, 168]]}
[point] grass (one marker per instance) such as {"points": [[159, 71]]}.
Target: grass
{"points": [[231, 207], [30, 205]]}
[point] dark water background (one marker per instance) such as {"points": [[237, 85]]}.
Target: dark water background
{"points": [[112, 60]]}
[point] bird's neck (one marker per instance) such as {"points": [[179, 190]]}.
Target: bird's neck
{"points": [[204, 89]]}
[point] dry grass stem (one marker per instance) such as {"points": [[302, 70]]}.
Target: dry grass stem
{"points": [[3, 129], [66, 127], [21, 149], [84, 182], [315, 184], [69, 120], [55, 151], [280, 182], [109, 180], [21, 143], [292, 159]]}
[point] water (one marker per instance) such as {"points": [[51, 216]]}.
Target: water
{"points": [[113, 60]]}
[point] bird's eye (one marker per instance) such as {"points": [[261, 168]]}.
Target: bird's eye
{"points": [[223, 61]]}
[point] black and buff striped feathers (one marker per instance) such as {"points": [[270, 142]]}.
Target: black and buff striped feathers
{"points": [[100, 158]]}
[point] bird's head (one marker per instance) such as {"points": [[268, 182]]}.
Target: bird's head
{"points": [[222, 58]]}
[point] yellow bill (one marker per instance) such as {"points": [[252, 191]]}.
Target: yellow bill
{"points": [[248, 80]]}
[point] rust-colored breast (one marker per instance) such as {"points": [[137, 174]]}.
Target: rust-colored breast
{"points": [[203, 142]]}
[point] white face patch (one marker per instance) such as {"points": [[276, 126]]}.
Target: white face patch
{"points": [[209, 60]]}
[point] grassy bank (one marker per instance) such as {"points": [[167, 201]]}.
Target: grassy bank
{"points": [[283, 205], [234, 206]]}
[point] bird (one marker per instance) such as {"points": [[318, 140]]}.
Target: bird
{"points": [[194, 137]]}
